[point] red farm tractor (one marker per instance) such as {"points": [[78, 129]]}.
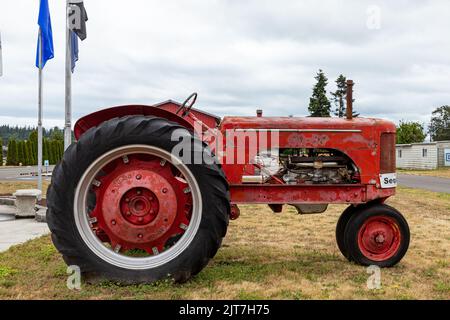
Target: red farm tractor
{"points": [[147, 192]]}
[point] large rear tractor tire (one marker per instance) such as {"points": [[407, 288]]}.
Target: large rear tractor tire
{"points": [[123, 207]]}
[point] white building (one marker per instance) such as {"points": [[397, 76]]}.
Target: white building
{"points": [[424, 156]]}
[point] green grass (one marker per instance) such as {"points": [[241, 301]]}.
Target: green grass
{"points": [[443, 286], [5, 272]]}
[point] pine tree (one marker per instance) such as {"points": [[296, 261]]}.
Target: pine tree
{"points": [[54, 148], [12, 153], [30, 153], [24, 148], [56, 134], [26, 153], [54, 152], [49, 151], [9, 155], [19, 155], [340, 97], [57, 150], [61, 149], [319, 105], [33, 139]]}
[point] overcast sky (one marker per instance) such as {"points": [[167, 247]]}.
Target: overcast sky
{"points": [[239, 55]]}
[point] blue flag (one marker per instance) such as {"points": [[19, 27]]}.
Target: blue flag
{"points": [[74, 47], [45, 26], [78, 16]]}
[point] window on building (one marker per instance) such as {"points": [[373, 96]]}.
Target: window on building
{"points": [[424, 153], [399, 153]]}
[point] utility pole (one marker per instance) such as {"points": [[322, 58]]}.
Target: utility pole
{"points": [[1, 59]]}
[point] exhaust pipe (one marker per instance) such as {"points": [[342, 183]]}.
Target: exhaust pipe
{"points": [[350, 84]]}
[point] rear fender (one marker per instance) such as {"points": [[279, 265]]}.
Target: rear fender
{"points": [[96, 118]]}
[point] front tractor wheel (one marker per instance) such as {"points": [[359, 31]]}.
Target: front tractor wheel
{"points": [[122, 207], [340, 230], [376, 235]]}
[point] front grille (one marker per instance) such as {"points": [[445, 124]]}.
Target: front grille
{"points": [[387, 153]]}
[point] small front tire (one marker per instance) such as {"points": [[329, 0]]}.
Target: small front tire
{"points": [[340, 230], [377, 235]]}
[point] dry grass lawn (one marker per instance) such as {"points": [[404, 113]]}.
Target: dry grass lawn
{"points": [[442, 173], [9, 187], [267, 256]]}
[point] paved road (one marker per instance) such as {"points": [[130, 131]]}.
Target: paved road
{"points": [[424, 182], [407, 180], [19, 231], [19, 173]]}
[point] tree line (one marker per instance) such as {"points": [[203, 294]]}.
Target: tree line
{"points": [[8, 132], [24, 151], [416, 132], [407, 131]]}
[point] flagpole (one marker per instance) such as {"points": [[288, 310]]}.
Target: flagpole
{"points": [[68, 95], [40, 111], [1, 59]]}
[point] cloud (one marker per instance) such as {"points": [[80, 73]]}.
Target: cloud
{"points": [[239, 56]]}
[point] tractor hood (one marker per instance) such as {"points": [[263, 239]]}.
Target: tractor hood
{"points": [[306, 123]]}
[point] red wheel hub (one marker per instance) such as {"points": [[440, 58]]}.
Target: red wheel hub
{"points": [[379, 238], [139, 206], [141, 203]]}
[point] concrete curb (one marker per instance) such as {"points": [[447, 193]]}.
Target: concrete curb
{"points": [[41, 214], [11, 210], [8, 210], [7, 201]]}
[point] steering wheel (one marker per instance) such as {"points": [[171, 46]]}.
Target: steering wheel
{"points": [[187, 108]]}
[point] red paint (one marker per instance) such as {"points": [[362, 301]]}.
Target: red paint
{"points": [[235, 212], [359, 139], [164, 110], [208, 119], [379, 238], [362, 147], [141, 204]]}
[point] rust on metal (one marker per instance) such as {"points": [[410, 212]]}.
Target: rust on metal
{"points": [[350, 85], [235, 212], [140, 205]]}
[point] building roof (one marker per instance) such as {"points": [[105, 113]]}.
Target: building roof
{"points": [[433, 143]]}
